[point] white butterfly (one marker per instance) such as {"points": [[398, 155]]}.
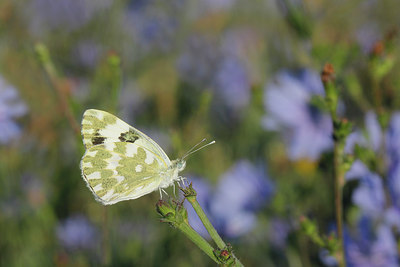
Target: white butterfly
{"points": [[122, 163]]}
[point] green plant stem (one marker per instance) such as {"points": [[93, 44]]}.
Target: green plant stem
{"points": [[48, 66], [206, 222], [198, 240], [339, 183], [210, 228]]}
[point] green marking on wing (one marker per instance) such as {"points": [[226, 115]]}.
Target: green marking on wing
{"points": [[126, 177], [134, 179], [93, 122], [99, 127], [120, 148], [97, 123]]}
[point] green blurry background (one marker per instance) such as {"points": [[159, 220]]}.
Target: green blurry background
{"points": [[179, 71]]}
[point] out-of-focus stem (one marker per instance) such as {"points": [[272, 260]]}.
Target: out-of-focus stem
{"points": [[48, 66], [339, 183], [339, 136]]}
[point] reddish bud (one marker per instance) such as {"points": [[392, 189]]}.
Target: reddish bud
{"points": [[327, 74], [378, 48]]}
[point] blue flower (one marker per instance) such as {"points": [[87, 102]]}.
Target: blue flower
{"points": [[68, 15], [11, 107], [279, 230], [232, 83], [242, 190], [306, 130], [199, 61], [371, 245], [152, 26], [370, 194], [218, 5], [393, 150], [87, 53], [206, 64], [77, 232], [232, 206]]}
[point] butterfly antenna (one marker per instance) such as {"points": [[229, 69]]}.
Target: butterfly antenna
{"points": [[191, 151]]}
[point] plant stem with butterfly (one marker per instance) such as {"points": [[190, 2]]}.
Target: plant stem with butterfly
{"points": [[176, 215]]}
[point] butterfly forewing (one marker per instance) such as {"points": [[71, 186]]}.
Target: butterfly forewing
{"points": [[100, 127], [121, 171]]}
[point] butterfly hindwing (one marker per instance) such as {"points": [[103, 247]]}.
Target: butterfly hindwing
{"points": [[121, 171], [100, 127]]}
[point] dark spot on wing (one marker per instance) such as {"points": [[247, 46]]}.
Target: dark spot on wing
{"points": [[97, 139], [129, 136]]}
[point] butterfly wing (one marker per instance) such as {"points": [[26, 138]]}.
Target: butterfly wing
{"points": [[120, 171], [100, 127]]}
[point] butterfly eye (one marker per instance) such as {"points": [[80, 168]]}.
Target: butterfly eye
{"points": [[181, 165]]}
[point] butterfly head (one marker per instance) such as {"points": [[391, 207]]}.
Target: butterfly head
{"points": [[180, 164]]}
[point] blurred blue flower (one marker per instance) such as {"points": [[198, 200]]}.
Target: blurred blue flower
{"points": [[232, 206], [279, 230], [34, 189], [307, 131], [242, 190], [11, 107], [152, 26], [371, 245], [232, 83], [393, 150], [205, 64], [87, 53], [199, 61], [66, 15], [370, 194], [371, 139], [218, 5], [76, 233]]}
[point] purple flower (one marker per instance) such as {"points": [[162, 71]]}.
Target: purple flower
{"points": [[68, 15], [232, 83], [77, 232], [205, 64], [87, 53], [370, 245], [278, 231], [152, 26], [232, 206], [34, 189], [370, 194], [218, 5], [372, 140], [393, 150], [307, 131], [199, 61], [11, 107]]}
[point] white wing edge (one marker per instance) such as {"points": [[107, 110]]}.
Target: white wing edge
{"points": [[147, 138]]}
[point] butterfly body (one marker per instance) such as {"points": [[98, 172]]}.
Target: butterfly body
{"points": [[122, 163]]}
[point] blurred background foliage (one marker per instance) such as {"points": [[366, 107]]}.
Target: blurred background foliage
{"points": [[245, 73]]}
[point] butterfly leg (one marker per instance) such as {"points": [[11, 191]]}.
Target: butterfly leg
{"points": [[159, 189], [174, 189], [182, 179], [164, 191]]}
